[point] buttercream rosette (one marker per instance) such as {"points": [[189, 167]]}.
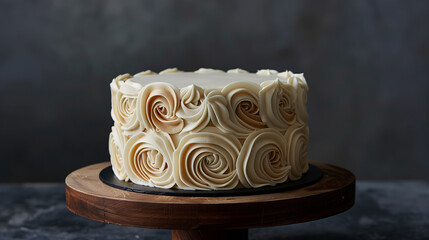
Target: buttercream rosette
{"points": [[301, 98], [206, 160], [124, 99], [297, 141], [263, 159], [218, 110], [194, 109], [200, 107], [116, 149], [277, 104], [243, 107], [158, 104], [300, 84], [148, 159]]}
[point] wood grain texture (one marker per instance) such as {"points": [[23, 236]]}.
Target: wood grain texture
{"points": [[87, 196]]}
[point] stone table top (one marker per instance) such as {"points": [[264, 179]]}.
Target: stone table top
{"points": [[383, 210]]}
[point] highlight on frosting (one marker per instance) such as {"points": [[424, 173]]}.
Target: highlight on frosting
{"points": [[267, 72], [208, 70], [144, 73], [237, 70], [244, 134], [158, 104], [206, 161], [263, 159], [297, 141], [169, 70], [148, 159]]}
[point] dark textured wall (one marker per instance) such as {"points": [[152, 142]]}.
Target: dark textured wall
{"points": [[366, 63]]}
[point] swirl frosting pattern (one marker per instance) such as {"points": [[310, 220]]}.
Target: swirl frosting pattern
{"points": [[243, 108], [209, 130], [297, 142], [278, 104], [194, 110], [158, 103], [299, 83], [116, 150], [148, 159], [206, 160], [124, 98], [263, 160], [301, 99]]}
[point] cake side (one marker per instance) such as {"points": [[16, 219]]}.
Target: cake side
{"points": [[209, 130]]}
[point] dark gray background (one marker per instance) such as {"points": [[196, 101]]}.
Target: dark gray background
{"points": [[366, 63]]}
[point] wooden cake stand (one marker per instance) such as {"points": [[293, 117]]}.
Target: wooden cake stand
{"points": [[208, 217]]}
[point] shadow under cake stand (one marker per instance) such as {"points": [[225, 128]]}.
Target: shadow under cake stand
{"points": [[227, 217]]}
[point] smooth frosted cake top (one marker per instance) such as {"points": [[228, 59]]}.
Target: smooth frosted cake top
{"points": [[208, 78]]}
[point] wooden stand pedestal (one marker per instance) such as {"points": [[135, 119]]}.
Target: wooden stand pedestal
{"points": [[208, 217]]}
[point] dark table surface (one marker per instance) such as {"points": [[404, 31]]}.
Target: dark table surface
{"points": [[383, 210]]}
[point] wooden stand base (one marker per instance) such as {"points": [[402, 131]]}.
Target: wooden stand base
{"points": [[208, 217]]}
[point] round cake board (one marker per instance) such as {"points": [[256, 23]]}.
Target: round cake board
{"points": [[202, 217], [313, 175]]}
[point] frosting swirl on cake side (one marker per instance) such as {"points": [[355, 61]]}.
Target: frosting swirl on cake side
{"points": [[206, 160], [158, 104], [116, 149], [277, 101], [193, 108], [243, 107], [297, 142], [124, 98], [263, 159], [148, 159]]}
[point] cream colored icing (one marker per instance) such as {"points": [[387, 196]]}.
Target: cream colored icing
{"points": [[148, 159], [116, 149], [206, 161], [124, 98], [277, 101], [243, 108], [203, 117], [263, 159], [144, 73], [158, 104], [297, 141], [218, 111], [208, 70], [237, 70], [169, 70], [194, 108], [208, 80], [267, 72]]}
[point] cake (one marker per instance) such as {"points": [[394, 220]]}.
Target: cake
{"points": [[209, 129]]}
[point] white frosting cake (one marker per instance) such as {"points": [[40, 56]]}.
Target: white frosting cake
{"points": [[209, 130]]}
